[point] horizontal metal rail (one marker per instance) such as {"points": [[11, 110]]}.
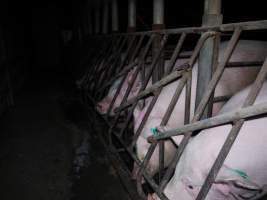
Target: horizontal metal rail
{"points": [[246, 26], [243, 113]]}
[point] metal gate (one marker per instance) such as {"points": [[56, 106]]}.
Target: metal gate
{"points": [[107, 65]]}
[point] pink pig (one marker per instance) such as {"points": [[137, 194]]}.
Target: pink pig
{"points": [[243, 174], [232, 81]]}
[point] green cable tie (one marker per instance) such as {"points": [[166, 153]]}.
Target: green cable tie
{"points": [[154, 131]]}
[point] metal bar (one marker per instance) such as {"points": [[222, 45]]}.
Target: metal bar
{"points": [[101, 64], [114, 57], [188, 98], [170, 77], [173, 101], [117, 58], [218, 73], [107, 57], [215, 79], [131, 15], [166, 118], [144, 173], [174, 75], [209, 53], [243, 113], [132, 81], [246, 26], [158, 12], [254, 91], [164, 40], [130, 66]]}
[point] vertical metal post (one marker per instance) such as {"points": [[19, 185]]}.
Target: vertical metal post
{"points": [[97, 18], [131, 15], [209, 52], [158, 24], [105, 17], [115, 18]]}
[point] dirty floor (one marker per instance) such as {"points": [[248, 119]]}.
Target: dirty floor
{"points": [[38, 141]]}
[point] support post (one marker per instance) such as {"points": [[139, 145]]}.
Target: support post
{"points": [[131, 16], [158, 24], [105, 17], [209, 52], [97, 18], [115, 18]]}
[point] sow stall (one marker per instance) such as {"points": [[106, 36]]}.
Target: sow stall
{"points": [[121, 53]]}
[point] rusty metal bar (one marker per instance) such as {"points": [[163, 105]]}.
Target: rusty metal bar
{"points": [[254, 91]]}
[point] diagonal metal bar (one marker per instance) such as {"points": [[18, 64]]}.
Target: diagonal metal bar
{"points": [[254, 91], [215, 79]]}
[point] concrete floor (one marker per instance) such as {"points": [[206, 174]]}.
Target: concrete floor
{"points": [[38, 137]]}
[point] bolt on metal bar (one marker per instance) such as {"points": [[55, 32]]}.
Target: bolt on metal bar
{"points": [[215, 79], [254, 91]]}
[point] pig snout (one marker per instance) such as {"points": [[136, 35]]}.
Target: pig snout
{"points": [[102, 107]]}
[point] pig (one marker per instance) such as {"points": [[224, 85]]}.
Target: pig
{"points": [[103, 105], [232, 81], [241, 177]]}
